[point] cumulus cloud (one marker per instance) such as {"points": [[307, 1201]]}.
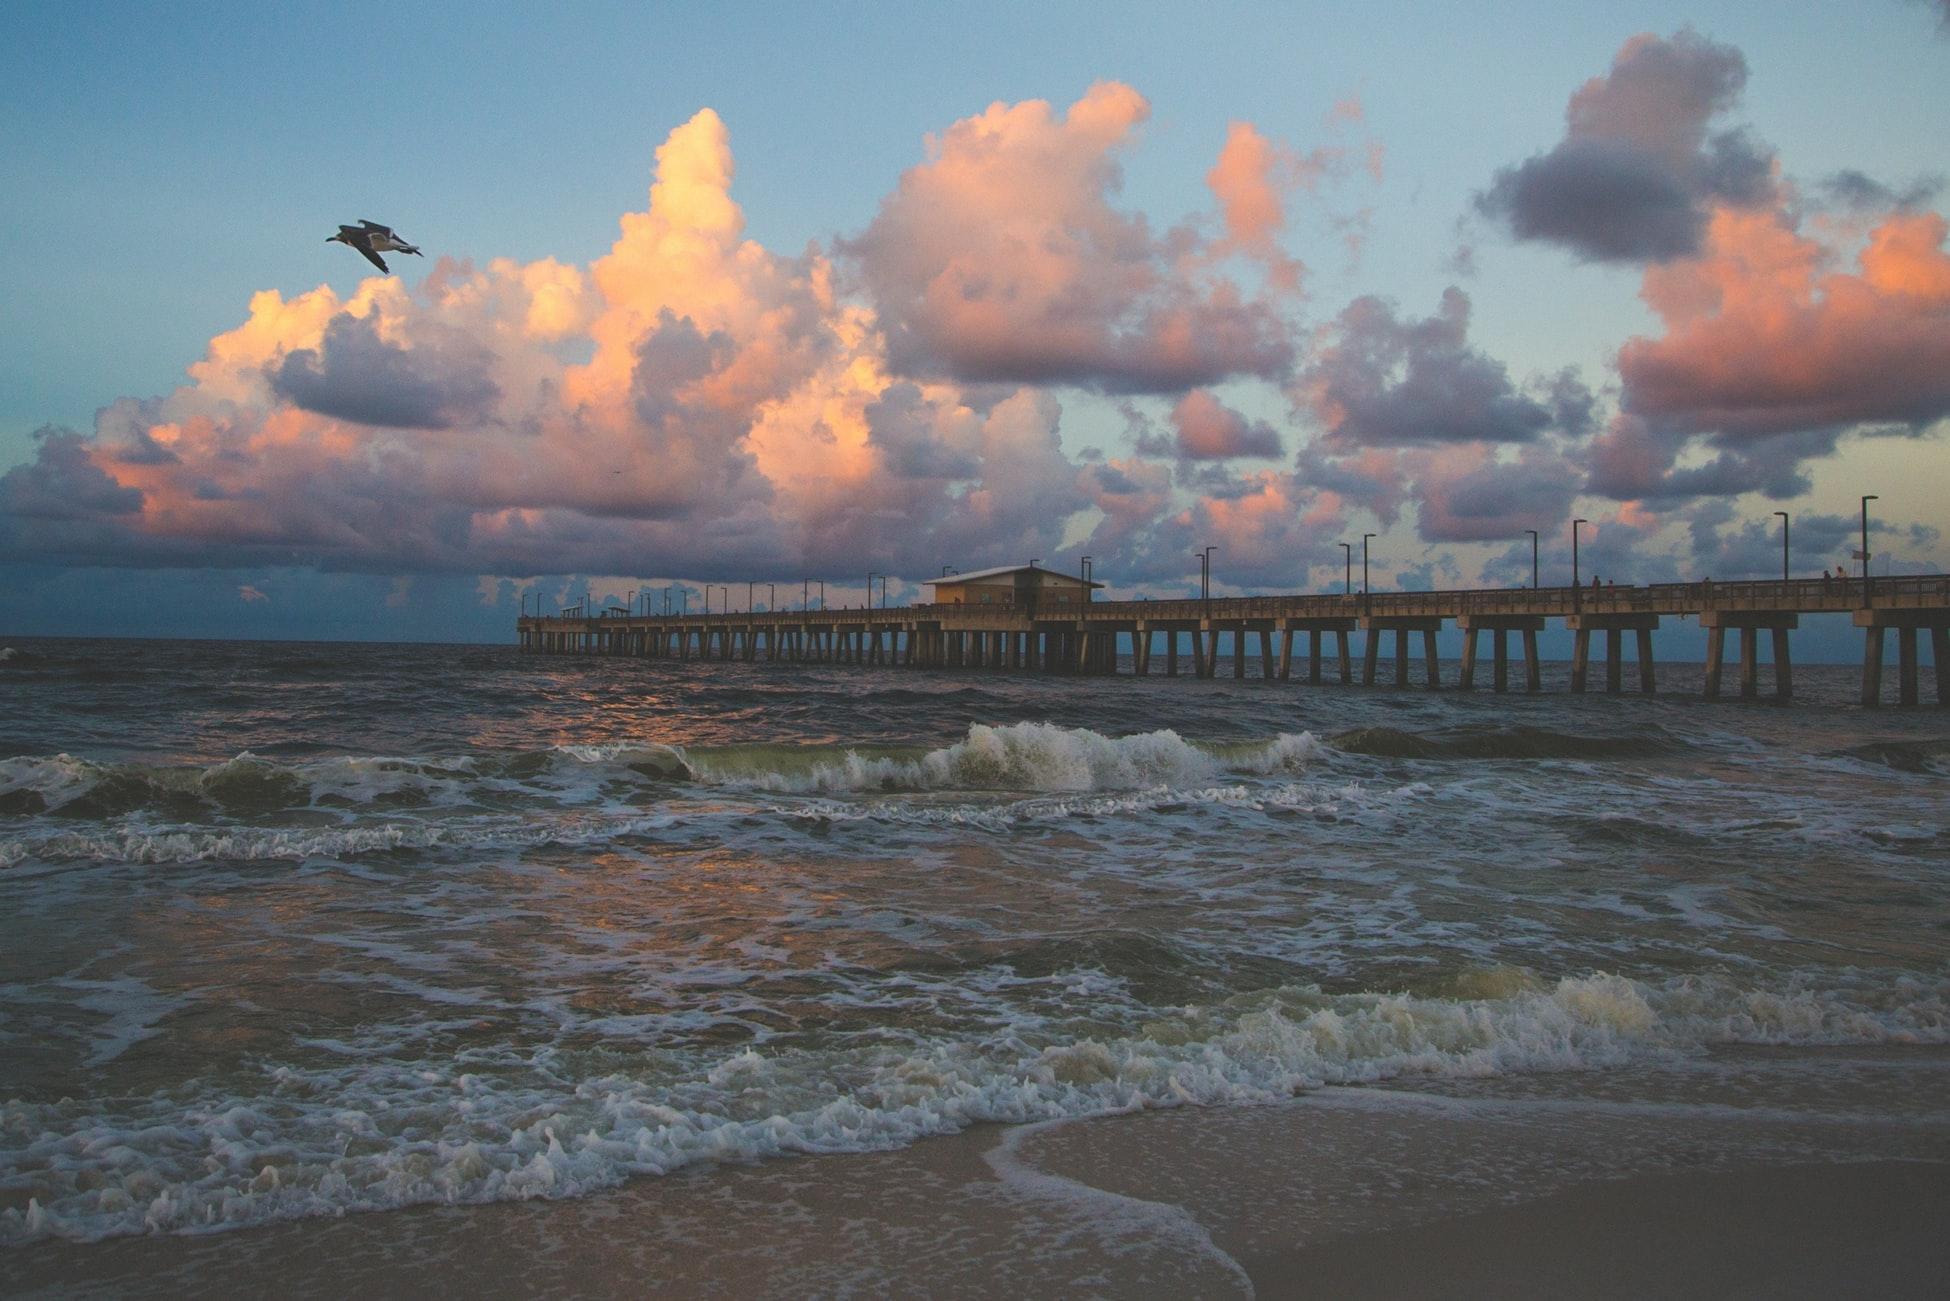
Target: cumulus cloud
{"points": [[1002, 257], [689, 400], [1639, 167], [1855, 191], [1251, 181], [63, 483], [1270, 528], [1377, 380], [1209, 430], [357, 376], [1761, 339], [1635, 460], [693, 401], [1470, 494]]}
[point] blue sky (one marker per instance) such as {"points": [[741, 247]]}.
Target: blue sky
{"points": [[159, 173]]}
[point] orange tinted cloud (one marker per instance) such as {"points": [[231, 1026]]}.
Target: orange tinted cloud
{"points": [[1762, 340], [1250, 180], [1003, 257], [691, 399]]}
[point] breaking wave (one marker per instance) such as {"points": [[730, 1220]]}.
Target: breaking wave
{"points": [[1018, 757], [505, 1124], [1930, 756]]}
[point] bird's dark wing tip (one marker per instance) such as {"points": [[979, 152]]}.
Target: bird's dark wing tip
{"points": [[376, 260]]}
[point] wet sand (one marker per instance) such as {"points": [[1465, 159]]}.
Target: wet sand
{"points": [[1778, 1174], [1877, 1229]]}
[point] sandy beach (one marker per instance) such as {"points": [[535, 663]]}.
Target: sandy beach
{"points": [[1730, 1177]]}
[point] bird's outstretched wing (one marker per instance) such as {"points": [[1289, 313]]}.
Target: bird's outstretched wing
{"points": [[373, 257], [373, 225]]}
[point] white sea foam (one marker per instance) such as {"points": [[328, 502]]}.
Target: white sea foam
{"points": [[1015, 757], [274, 844], [504, 1125], [1028, 757], [57, 779]]}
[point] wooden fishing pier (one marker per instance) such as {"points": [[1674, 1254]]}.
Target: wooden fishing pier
{"points": [[1081, 636]]}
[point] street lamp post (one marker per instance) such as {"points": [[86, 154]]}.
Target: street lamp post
{"points": [[1347, 564], [1086, 578], [751, 586], [1575, 588], [1784, 544], [1533, 558], [822, 595], [771, 598], [1205, 573], [707, 598], [1367, 597], [1865, 545], [870, 577]]}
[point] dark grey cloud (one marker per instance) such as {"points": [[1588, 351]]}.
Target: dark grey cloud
{"points": [[1494, 500], [1637, 460], [63, 483], [1858, 192], [1381, 381], [355, 375], [62, 503], [1638, 169], [903, 425]]}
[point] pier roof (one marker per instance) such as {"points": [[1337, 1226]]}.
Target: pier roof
{"points": [[999, 570]]}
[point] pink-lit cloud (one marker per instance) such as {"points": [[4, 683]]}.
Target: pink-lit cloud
{"points": [[1004, 258], [1209, 430], [690, 401], [694, 403], [1762, 338]]}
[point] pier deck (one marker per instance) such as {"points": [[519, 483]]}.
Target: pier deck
{"points": [[1084, 638]]}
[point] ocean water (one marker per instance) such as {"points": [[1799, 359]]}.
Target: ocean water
{"points": [[300, 930]]}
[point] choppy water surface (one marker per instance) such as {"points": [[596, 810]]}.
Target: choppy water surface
{"points": [[289, 930]]}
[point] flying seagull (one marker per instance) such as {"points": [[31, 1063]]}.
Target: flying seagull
{"points": [[372, 239]]}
